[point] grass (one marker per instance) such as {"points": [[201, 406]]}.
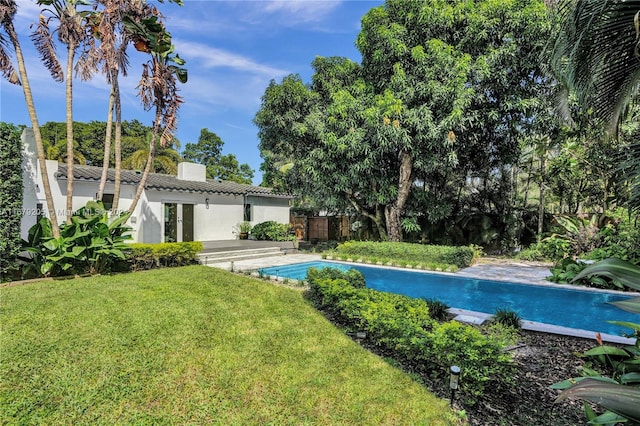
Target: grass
{"points": [[190, 345]]}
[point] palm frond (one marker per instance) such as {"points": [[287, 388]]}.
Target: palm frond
{"points": [[6, 67], [45, 46], [596, 53]]}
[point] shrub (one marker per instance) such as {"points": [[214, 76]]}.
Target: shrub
{"points": [[408, 253], [403, 325], [620, 238], [150, 256], [508, 318], [532, 253], [10, 204], [437, 309], [93, 243], [566, 270], [271, 231], [554, 248], [353, 277]]}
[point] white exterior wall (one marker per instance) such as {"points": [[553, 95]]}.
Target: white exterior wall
{"points": [[217, 222], [264, 209]]}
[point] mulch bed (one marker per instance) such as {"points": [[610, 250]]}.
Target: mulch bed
{"points": [[541, 360]]}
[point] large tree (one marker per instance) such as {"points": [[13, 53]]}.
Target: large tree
{"points": [[436, 100], [208, 151]]}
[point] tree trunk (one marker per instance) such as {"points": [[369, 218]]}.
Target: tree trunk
{"points": [[107, 147], [543, 166], [377, 217], [28, 96], [118, 143], [69, 101], [147, 167], [393, 212]]}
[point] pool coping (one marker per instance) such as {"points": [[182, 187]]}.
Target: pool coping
{"points": [[526, 324]]}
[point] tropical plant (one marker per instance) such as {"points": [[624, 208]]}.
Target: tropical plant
{"points": [[92, 243], [619, 394], [242, 229], [437, 309], [165, 159], [508, 318], [8, 9], [596, 53]]}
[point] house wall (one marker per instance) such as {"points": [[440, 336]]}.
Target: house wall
{"points": [[213, 223], [268, 208], [31, 193], [216, 222]]}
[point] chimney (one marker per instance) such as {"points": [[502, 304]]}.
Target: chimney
{"points": [[192, 171]]}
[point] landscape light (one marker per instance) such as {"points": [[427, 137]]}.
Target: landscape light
{"points": [[454, 378], [206, 202]]}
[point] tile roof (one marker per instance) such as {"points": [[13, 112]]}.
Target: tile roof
{"points": [[164, 182]]}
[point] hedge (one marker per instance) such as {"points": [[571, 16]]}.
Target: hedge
{"points": [[413, 254], [402, 325], [150, 256], [10, 198]]}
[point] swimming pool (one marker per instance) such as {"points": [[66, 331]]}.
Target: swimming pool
{"points": [[565, 307]]}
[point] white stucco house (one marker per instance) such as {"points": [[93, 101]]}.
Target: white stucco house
{"points": [[186, 207]]}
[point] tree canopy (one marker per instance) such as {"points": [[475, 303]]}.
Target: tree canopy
{"points": [[444, 93]]}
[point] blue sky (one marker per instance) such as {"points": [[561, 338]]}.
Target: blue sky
{"points": [[232, 48]]}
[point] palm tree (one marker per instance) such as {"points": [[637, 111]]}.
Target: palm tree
{"points": [[8, 10], [596, 54], [158, 85], [111, 53], [165, 160], [58, 152], [72, 33]]}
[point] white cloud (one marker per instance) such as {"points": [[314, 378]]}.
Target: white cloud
{"points": [[211, 58], [296, 12]]}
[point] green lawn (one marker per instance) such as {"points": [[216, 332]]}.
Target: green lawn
{"points": [[190, 345]]}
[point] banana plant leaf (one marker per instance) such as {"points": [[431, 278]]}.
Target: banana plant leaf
{"points": [[630, 378], [631, 325], [622, 400], [606, 350], [630, 305], [625, 272]]}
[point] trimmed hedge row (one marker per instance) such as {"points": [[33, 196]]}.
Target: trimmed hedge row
{"points": [[402, 324], [461, 257], [10, 199], [149, 256]]}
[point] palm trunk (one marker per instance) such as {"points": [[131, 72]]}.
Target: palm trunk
{"points": [[393, 212], [28, 96], [118, 143], [69, 99], [107, 147], [147, 167]]}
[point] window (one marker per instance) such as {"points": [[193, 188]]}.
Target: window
{"points": [[247, 212], [107, 201]]}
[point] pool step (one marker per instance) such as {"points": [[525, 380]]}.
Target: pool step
{"points": [[235, 255], [470, 319]]}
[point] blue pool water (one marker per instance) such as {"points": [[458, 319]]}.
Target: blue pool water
{"points": [[574, 308]]}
